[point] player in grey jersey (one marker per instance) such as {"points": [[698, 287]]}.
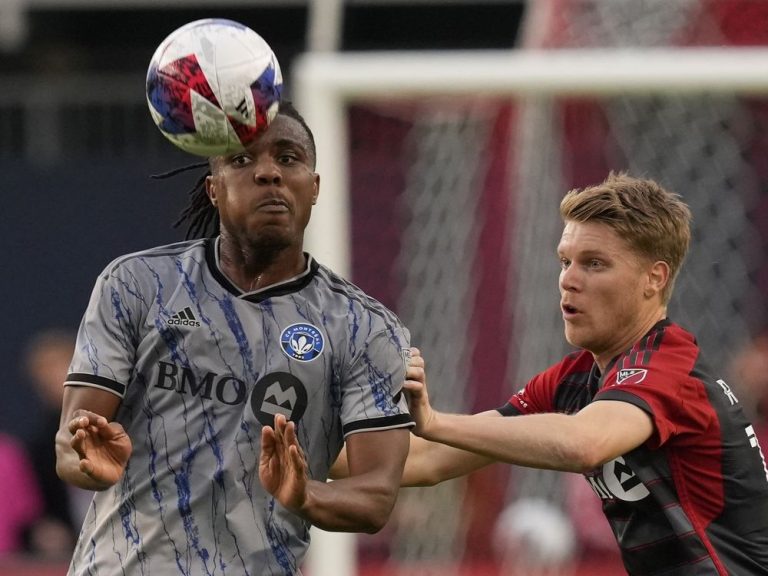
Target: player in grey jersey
{"points": [[187, 355]]}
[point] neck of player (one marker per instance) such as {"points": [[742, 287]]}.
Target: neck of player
{"points": [[252, 268], [633, 334]]}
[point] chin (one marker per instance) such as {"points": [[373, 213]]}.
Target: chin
{"points": [[273, 239], [570, 336], [578, 340]]}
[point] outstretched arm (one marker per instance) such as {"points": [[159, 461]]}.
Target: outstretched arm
{"points": [[580, 442], [428, 463], [362, 502], [91, 451]]}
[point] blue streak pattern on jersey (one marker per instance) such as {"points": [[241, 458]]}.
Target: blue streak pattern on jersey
{"points": [[119, 316], [335, 397], [354, 327], [253, 442], [168, 336], [335, 393], [130, 530], [381, 386], [157, 494], [131, 289], [236, 327], [379, 382], [193, 504], [213, 441], [234, 323], [181, 477], [276, 536], [277, 541], [127, 512], [185, 508], [336, 376]]}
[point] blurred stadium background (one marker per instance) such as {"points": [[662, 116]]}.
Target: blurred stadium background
{"points": [[450, 217]]}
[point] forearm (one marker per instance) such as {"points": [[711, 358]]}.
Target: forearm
{"points": [[91, 451], [430, 463], [551, 441], [348, 505]]}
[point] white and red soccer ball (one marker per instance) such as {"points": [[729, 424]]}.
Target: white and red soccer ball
{"points": [[213, 85]]}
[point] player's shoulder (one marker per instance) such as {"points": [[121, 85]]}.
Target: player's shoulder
{"points": [[667, 342], [577, 361], [350, 296], [668, 350], [169, 251], [573, 366]]}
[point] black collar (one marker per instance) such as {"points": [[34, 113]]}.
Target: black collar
{"points": [[281, 288]]}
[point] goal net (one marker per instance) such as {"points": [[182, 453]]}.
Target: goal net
{"points": [[441, 179]]}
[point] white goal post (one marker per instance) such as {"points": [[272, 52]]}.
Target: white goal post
{"points": [[325, 83]]}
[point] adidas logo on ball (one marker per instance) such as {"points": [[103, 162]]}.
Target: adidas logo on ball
{"points": [[213, 86]]}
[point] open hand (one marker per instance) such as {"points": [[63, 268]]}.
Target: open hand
{"points": [[103, 447], [418, 397], [282, 465]]}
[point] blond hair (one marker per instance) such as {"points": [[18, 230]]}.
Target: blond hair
{"points": [[654, 222]]}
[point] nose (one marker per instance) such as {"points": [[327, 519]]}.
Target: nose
{"points": [[568, 279], [266, 172]]}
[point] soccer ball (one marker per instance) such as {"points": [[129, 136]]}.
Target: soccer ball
{"points": [[213, 85]]}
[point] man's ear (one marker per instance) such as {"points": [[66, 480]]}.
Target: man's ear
{"points": [[316, 191], [658, 278], [210, 190]]}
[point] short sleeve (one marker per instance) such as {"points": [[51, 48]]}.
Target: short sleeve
{"points": [[105, 351], [676, 401], [538, 395], [373, 396], [533, 397]]}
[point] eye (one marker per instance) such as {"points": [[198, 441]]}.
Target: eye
{"points": [[241, 159], [595, 263], [564, 263], [287, 158]]}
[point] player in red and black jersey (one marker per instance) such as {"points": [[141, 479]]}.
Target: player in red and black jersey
{"points": [[661, 439], [693, 495]]}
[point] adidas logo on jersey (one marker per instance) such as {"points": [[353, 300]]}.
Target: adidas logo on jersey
{"points": [[184, 318]]}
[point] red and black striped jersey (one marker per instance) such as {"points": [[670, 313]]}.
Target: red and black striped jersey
{"points": [[693, 499]]}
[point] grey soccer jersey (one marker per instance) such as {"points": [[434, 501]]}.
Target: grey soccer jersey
{"points": [[200, 367]]}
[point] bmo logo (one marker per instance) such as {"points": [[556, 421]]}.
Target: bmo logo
{"points": [[617, 480]]}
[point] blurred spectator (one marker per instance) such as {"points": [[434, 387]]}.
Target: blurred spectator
{"points": [[533, 536], [46, 362], [20, 499], [749, 380]]}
